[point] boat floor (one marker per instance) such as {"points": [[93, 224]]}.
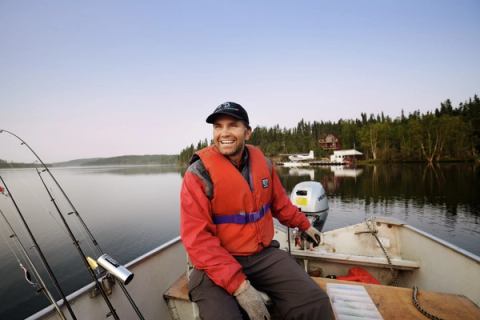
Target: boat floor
{"points": [[392, 302]]}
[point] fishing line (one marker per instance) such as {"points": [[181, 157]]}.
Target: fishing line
{"points": [[8, 244], [40, 284], [37, 247], [79, 233], [27, 188], [27, 275], [78, 247]]}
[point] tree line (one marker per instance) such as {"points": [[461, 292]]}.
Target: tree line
{"points": [[446, 134]]}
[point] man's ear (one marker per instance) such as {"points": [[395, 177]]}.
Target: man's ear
{"points": [[248, 134]]}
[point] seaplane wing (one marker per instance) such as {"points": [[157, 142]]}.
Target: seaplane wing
{"points": [[302, 157]]}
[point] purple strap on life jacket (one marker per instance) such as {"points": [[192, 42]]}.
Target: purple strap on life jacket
{"points": [[241, 218]]}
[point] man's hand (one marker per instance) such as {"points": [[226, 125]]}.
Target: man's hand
{"points": [[251, 301], [314, 236]]}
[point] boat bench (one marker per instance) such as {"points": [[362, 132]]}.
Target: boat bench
{"points": [[179, 304], [392, 302], [379, 262], [178, 290]]}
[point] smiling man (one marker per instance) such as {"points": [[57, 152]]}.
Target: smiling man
{"points": [[229, 197]]}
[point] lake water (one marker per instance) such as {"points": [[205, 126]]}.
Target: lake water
{"points": [[131, 210]]}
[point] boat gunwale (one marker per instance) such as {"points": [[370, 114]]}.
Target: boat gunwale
{"points": [[401, 223], [89, 286], [444, 243]]}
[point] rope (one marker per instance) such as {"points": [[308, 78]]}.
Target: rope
{"points": [[394, 280], [419, 308], [374, 232]]}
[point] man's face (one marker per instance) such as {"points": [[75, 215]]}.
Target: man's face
{"points": [[229, 136]]}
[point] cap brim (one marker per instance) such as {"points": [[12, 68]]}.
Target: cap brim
{"points": [[211, 118]]}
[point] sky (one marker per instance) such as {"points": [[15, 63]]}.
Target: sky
{"points": [[82, 79]]}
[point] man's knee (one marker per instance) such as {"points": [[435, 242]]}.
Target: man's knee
{"points": [[213, 301], [320, 309]]}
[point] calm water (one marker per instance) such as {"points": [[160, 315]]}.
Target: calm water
{"points": [[132, 210]]}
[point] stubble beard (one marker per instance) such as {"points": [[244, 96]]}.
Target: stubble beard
{"points": [[238, 150]]}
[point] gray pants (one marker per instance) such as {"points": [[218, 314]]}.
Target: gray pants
{"points": [[273, 271]]}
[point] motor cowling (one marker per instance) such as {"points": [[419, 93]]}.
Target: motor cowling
{"points": [[310, 197]]}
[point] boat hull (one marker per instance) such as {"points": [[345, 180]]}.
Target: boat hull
{"points": [[416, 257]]}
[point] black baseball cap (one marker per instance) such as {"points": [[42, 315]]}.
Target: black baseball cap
{"points": [[230, 109]]}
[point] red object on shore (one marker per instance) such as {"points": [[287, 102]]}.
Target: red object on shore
{"points": [[2, 190], [359, 275]]}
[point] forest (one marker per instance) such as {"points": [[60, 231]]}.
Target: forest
{"points": [[449, 133]]}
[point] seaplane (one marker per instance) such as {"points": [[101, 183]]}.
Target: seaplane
{"points": [[299, 160], [301, 157]]}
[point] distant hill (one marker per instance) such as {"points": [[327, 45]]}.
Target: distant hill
{"points": [[5, 164], [122, 160], [74, 163], [154, 159]]}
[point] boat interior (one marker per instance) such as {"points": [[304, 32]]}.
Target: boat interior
{"points": [[397, 255]]}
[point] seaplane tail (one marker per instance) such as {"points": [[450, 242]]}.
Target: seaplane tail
{"points": [[302, 157]]}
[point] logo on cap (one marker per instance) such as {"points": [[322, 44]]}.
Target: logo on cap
{"points": [[226, 105]]}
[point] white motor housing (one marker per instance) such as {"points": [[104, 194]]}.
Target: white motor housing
{"points": [[310, 197]]}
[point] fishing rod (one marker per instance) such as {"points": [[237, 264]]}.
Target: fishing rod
{"points": [[76, 243], [88, 264], [40, 253], [57, 184], [85, 227], [36, 274]]}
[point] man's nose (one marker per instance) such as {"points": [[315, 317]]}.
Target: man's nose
{"points": [[225, 131]]}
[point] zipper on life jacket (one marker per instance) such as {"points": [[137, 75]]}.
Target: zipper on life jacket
{"points": [[257, 209]]}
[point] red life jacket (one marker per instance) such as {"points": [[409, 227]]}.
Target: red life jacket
{"points": [[243, 219]]}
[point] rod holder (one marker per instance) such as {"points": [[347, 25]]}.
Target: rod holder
{"points": [[115, 269]]}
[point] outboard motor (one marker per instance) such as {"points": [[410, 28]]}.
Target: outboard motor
{"points": [[311, 199]]}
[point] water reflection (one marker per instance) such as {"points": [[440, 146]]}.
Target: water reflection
{"points": [[299, 172], [343, 171], [442, 199]]}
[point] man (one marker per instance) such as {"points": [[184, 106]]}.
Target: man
{"points": [[230, 194]]}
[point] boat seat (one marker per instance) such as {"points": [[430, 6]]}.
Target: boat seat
{"points": [[178, 290], [379, 262]]}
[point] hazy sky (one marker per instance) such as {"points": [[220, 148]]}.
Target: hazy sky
{"points": [[104, 78]]}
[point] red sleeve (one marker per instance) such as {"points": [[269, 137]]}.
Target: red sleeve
{"points": [[197, 231], [283, 209]]}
